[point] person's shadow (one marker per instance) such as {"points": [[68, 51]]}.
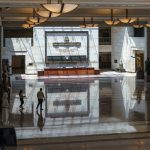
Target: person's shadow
{"points": [[41, 120]]}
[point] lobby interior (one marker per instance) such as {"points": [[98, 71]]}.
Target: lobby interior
{"points": [[92, 74]]}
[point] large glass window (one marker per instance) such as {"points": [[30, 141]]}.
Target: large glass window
{"points": [[104, 36], [138, 32]]}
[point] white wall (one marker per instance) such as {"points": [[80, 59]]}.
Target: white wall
{"points": [[123, 47], [36, 54], [105, 48]]}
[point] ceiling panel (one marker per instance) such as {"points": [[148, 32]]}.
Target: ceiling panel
{"points": [[16, 11]]}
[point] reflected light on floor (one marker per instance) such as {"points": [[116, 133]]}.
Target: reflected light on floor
{"points": [[140, 144], [27, 148]]}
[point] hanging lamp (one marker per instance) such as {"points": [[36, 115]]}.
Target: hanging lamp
{"points": [[92, 24], [27, 26], [83, 25], [35, 19], [60, 7], [127, 19], [112, 21], [147, 24], [138, 25], [46, 13]]}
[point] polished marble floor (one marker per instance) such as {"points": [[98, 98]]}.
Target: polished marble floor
{"points": [[131, 144], [108, 104]]}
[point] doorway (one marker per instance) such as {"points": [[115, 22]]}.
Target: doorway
{"points": [[18, 64], [139, 61], [105, 60]]}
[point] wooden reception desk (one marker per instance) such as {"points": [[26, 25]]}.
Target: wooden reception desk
{"points": [[68, 71]]}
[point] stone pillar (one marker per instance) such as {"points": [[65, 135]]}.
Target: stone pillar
{"points": [[1, 54], [148, 42], [148, 50], [147, 94], [1, 39]]}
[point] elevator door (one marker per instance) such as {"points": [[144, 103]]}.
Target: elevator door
{"points": [[18, 64]]}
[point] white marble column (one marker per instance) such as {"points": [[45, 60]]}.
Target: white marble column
{"points": [[1, 39], [1, 35]]}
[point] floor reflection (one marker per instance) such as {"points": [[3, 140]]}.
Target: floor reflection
{"points": [[68, 98], [80, 101], [41, 120]]}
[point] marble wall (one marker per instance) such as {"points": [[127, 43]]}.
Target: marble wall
{"points": [[35, 52], [105, 48], [124, 46]]}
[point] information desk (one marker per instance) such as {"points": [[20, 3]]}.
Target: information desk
{"points": [[67, 71]]}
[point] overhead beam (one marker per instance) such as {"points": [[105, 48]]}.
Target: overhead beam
{"points": [[18, 24], [21, 3], [88, 12], [82, 3]]}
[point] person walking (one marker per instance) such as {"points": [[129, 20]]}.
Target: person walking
{"points": [[21, 96], [40, 96]]}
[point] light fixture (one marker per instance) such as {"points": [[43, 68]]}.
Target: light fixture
{"points": [[147, 24], [60, 7], [32, 21], [83, 25], [35, 19], [88, 25], [112, 21], [92, 24], [26, 25], [127, 19], [29, 22], [46, 13], [138, 25]]}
